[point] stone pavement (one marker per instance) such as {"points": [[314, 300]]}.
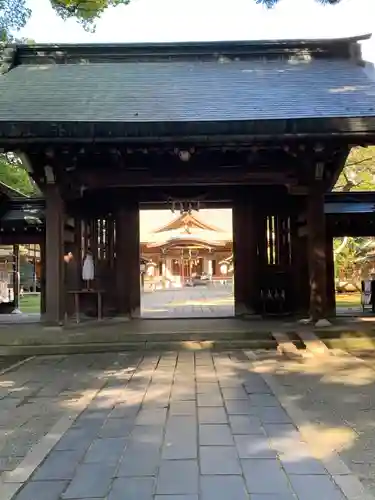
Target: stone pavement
{"points": [[176, 426], [337, 397], [189, 302]]}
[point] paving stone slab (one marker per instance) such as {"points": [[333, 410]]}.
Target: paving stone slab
{"points": [[215, 435], [234, 393], [282, 431], [176, 497], [75, 439], [180, 445], [266, 476], [264, 400], [90, 480], [41, 490], [138, 463], [240, 407], [132, 488], [212, 416], [177, 477], [287, 496], [181, 408], [215, 460], [208, 388], [116, 427], [183, 394], [223, 488], [246, 424], [152, 417], [273, 415], [254, 447], [58, 465], [149, 434], [210, 400], [105, 451], [311, 487], [302, 465]]}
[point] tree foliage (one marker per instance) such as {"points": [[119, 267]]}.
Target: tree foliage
{"points": [[13, 174], [359, 171], [13, 16], [358, 175], [85, 11]]}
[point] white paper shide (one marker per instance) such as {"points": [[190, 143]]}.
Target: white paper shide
{"points": [[88, 270]]}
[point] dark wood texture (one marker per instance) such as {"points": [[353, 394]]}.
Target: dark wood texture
{"points": [[55, 292], [127, 260], [246, 286]]}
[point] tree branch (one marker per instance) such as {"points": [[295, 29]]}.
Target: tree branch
{"points": [[359, 162]]}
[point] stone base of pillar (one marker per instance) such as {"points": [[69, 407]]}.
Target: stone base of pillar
{"points": [[323, 323], [305, 321], [241, 309]]}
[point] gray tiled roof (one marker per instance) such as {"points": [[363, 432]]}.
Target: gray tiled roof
{"points": [[183, 91]]}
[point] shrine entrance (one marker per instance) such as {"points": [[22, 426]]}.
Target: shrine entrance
{"points": [[233, 135], [186, 263]]}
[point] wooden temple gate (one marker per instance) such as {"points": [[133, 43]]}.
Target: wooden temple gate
{"points": [[246, 132], [276, 249]]}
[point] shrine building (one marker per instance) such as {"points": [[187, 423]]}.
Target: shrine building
{"points": [[186, 245], [263, 128]]}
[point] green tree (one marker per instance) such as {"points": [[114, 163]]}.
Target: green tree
{"points": [[359, 171], [13, 16], [13, 174], [358, 174]]}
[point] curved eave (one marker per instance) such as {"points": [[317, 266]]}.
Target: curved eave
{"points": [[353, 128], [164, 48], [186, 243]]}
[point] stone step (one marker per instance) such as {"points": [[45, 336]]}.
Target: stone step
{"points": [[154, 345], [285, 346]]}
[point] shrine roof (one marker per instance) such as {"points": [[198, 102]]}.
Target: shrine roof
{"points": [[159, 226], [174, 85], [187, 221]]}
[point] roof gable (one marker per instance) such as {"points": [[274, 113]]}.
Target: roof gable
{"points": [[187, 223]]}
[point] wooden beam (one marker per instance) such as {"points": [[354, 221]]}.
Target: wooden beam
{"points": [[231, 176]]}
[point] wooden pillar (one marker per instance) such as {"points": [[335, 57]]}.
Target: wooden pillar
{"points": [[331, 289], [317, 252], [54, 255], [300, 271], [77, 253], [42, 247], [16, 278], [246, 286], [127, 261]]}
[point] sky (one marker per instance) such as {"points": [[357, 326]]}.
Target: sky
{"points": [[193, 20]]}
